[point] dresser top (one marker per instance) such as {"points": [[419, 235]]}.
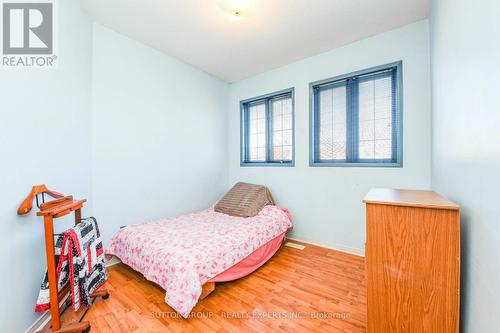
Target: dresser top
{"points": [[412, 198]]}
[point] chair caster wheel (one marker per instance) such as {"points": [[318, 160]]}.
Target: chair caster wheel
{"points": [[87, 330], [105, 296]]}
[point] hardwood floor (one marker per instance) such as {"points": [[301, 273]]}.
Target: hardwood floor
{"points": [[310, 290]]}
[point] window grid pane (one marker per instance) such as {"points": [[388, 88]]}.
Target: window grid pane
{"points": [[257, 132], [281, 113], [375, 119], [332, 123]]}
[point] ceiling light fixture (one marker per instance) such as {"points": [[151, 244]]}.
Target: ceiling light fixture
{"points": [[234, 10]]}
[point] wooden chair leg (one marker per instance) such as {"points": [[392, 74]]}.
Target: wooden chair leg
{"points": [[84, 327], [101, 293]]}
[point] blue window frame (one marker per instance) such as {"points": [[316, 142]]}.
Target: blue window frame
{"points": [[356, 119], [267, 130]]}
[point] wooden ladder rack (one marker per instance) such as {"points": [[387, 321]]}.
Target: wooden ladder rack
{"points": [[61, 206]]}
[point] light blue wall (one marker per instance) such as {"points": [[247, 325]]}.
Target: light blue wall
{"points": [[157, 134], [143, 136], [138, 133], [44, 138], [466, 144], [327, 202]]}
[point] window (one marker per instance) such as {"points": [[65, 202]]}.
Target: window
{"points": [[356, 119], [267, 130]]}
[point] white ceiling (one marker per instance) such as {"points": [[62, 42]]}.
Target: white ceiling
{"points": [[276, 33]]}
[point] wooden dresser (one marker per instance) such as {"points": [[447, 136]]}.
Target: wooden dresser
{"points": [[412, 262]]}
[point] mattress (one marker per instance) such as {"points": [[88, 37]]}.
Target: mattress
{"points": [[182, 253]]}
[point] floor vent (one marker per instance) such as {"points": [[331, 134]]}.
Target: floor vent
{"points": [[295, 246]]}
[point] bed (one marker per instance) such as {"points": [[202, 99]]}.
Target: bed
{"points": [[187, 254]]}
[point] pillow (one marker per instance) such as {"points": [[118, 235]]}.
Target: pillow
{"points": [[244, 200]]}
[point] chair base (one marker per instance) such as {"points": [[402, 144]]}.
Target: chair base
{"points": [[82, 327]]}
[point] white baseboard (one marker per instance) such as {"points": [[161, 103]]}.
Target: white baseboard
{"points": [[39, 323], [336, 247], [113, 261]]}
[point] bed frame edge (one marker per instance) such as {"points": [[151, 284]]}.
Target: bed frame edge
{"points": [[207, 289]]}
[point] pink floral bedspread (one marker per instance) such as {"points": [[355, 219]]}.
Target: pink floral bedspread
{"points": [[182, 253]]}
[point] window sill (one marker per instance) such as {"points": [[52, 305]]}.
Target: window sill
{"points": [[357, 164], [267, 164]]}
